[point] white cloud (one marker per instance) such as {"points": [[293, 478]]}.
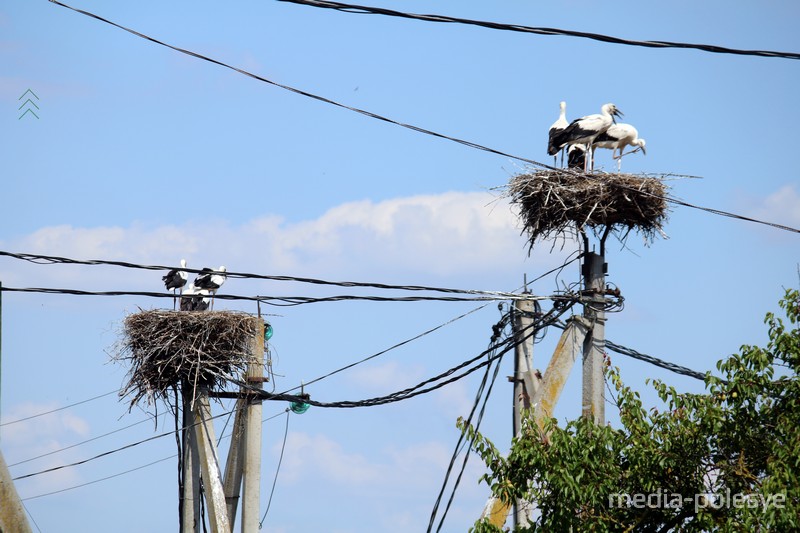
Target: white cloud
{"points": [[464, 234], [39, 436], [311, 457], [782, 207], [389, 376]]}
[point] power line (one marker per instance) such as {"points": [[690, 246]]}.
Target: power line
{"points": [[672, 367], [350, 8], [126, 471], [630, 352], [277, 469], [58, 409], [418, 129], [83, 442], [279, 301], [40, 259], [99, 480], [294, 90], [458, 447], [110, 452], [429, 384]]}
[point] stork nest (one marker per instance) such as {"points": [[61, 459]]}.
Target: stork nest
{"points": [[554, 202], [169, 349]]}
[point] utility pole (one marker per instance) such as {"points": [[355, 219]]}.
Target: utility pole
{"points": [[232, 482], [12, 513], [594, 270], [524, 381], [190, 498], [252, 445], [209, 466]]}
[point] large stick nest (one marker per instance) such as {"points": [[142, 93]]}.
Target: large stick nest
{"points": [[199, 350], [554, 202]]}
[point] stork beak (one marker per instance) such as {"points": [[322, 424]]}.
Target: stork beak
{"points": [[617, 113], [644, 151]]}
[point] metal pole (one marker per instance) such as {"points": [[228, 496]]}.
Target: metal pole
{"points": [[251, 493], [594, 269]]}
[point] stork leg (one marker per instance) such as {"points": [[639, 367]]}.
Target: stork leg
{"points": [[174, 300], [589, 164]]}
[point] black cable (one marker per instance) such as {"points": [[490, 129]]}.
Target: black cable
{"points": [[127, 471], [52, 259], [110, 452], [350, 8], [277, 469], [390, 348], [82, 442], [502, 347], [60, 408], [471, 443], [672, 367], [296, 91], [97, 480], [457, 448], [279, 301], [461, 438], [418, 129]]}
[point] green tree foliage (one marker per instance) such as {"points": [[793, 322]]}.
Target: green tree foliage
{"points": [[724, 460]]}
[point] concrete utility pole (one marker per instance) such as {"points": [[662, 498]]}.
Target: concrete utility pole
{"points": [[209, 465], [232, 482], [252, 444], [594, 403], [12, 514], [190, 504], [524, 381]]}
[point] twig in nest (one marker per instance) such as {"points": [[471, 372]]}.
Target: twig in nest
{"points": [[166, 349], [617, 202]]}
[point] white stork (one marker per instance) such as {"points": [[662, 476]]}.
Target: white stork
{"points": [[576, 156], [211, 280], [194, 299], [557, 127], [175, 280], [617, 137], [585, 130]]}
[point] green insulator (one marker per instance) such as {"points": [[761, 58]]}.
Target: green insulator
{"points": [[267, 331], [299, 407]]}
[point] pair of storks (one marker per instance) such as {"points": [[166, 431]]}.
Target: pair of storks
{"points": [[195, 297], [585, 134]]}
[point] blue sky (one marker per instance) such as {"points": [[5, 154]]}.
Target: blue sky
{"points": [[143, 154]]}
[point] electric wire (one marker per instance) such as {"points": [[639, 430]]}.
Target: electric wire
{"points": [[672, 367], [58, 409], [390, 348], [277, 469], [98, 480], [358, 9], [31, 516], [430, 384], [82, 442], [458, 448], [131, 470], [279, 301], [401, 124], [40, 259], [470, 444], [115, 450]]}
